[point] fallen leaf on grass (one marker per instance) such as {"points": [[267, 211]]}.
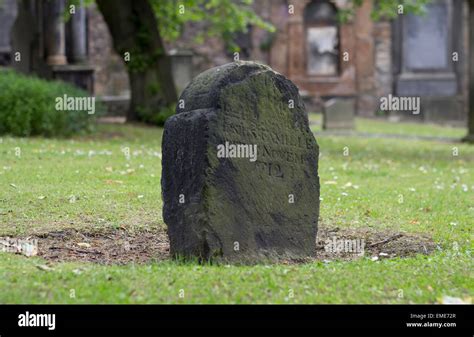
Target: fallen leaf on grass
{"points": [[44, 267], [128, 171], [113, 182]]}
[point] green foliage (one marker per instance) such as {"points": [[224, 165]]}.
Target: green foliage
{"points": [[164, 114], [28, 107], [223, 18], [390, 9], [143, 58], [154, 117], [387, 9]]}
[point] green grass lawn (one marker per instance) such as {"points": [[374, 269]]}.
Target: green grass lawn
{"points": [[382, 126], [88, 183]]}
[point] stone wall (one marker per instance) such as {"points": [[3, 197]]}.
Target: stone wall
{"points": [[213, 51], [383, 59], [280, 50], [8, 13], [210, 53], [424, 64], [111, 78], [366, 76], [365, 61]]}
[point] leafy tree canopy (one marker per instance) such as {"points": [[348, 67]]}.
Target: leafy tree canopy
{"points": [[221, 18], [388, 9]]}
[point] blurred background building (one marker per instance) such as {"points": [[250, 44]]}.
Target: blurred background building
{"points": [[352, 64]]}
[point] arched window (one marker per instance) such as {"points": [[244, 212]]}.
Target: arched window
{"points": [[322, 38]]}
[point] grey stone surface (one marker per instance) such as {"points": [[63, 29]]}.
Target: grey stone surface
{"points": [[8, 14], [427, 85], [182, 63], [54, 34], [423, 67], [339, 114], [383, 60], [447, 110], [23, 35], [236, 209], [322, 53], [78, 35], [443, 109], [426, 38]]}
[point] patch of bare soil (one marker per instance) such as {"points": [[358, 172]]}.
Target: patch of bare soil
{"points": [[113, 247], [122, 247], [376, 244]]}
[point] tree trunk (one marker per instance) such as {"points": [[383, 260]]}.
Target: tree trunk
{"points": [[137, 40], [470, 135]]}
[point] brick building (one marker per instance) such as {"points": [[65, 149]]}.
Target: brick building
{"points": [[359, 61]]}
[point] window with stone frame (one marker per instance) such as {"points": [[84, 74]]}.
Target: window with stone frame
{"points": [[322, 38]]}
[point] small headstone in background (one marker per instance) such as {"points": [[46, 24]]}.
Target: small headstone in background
{"points": [[240, 168], [182, 66], [339, 114]]}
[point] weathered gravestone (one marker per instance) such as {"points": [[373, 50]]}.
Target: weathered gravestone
{"points": [[240, 168], [339, 114]]}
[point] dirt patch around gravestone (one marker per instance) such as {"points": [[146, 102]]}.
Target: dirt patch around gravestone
{"points": [[376, 244], [111, 247], [146, 246]]}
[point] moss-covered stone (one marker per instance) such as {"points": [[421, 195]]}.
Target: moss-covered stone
{"points": [[239, 209]]}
